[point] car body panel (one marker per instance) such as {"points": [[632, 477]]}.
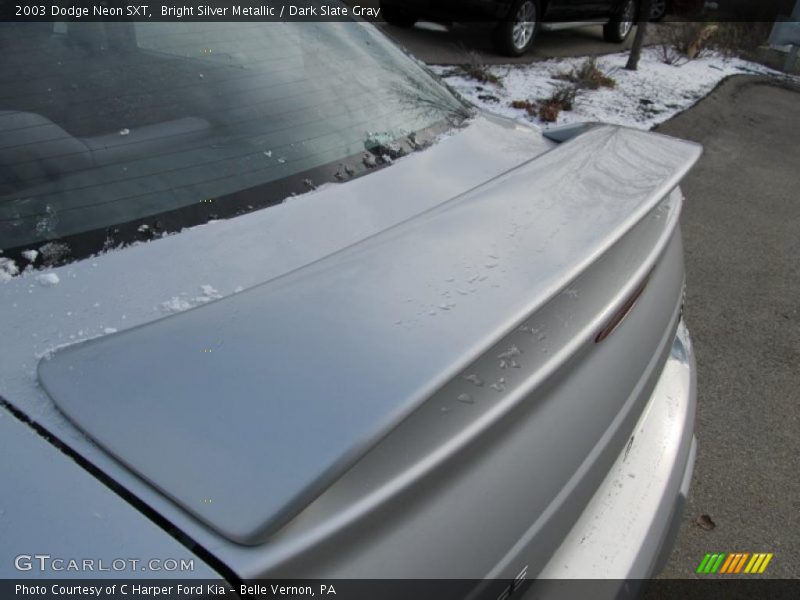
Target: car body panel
{"points": [[142, 283], [629, 517], [432, 470], [303, 361], [474, 463], [49, 503]]}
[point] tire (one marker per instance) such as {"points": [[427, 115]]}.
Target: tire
{"points": [[514, 35], [397, 16], [619, 27], [658, 9]]}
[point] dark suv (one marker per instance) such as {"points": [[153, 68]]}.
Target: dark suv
{"points": [[517, 20]]}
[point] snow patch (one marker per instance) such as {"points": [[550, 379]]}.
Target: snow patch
{"points": [[209, 293], [644, 98], [81, 336], [8, 268], [176, 304], [179, 304], [48, 354], [47, 279]]}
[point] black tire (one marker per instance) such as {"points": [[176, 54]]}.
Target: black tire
{"points": [[658, 9], [511, 37], [621, 23], [397, 16]]}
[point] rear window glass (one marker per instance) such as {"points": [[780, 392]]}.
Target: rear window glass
{"points": [[111, 132]]}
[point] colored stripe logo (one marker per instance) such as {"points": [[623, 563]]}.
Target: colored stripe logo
{"points": [[734, 563]]}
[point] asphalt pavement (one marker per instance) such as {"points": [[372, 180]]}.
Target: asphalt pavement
{"points": [[741, 227]]}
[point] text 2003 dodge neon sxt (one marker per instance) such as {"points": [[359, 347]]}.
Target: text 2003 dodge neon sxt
{"points": [[275, 302]]}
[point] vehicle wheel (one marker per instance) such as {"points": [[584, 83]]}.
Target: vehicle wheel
{"points": [[397, 16], [658, 9], [620, 25], [516, 32]]}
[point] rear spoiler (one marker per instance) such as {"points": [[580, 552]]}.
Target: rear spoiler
{"points": [[246, 409], [562, 133]]}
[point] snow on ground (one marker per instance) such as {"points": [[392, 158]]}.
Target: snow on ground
{"points": [[642, 99]]}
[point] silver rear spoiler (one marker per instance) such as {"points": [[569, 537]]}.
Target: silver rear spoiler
{"points": [[246, 409], [562, 133]]}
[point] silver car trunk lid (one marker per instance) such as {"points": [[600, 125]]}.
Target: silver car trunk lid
{"points": [[246, 409]]}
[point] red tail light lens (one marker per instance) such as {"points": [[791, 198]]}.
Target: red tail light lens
{"points": [[623, 311]]}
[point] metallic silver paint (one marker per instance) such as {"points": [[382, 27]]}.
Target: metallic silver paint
{"points": [[328, 359], [505, 466], [627, 526], [49, 505], [432, 476], [121, 289]]}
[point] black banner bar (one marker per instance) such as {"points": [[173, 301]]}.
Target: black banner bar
{"points": [[323, 11], [711, 588]]}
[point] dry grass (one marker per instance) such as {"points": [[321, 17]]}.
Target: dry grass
{"points": [[562, 98], [685, 41], [526, 105], [587, 76], [475, 69]]}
